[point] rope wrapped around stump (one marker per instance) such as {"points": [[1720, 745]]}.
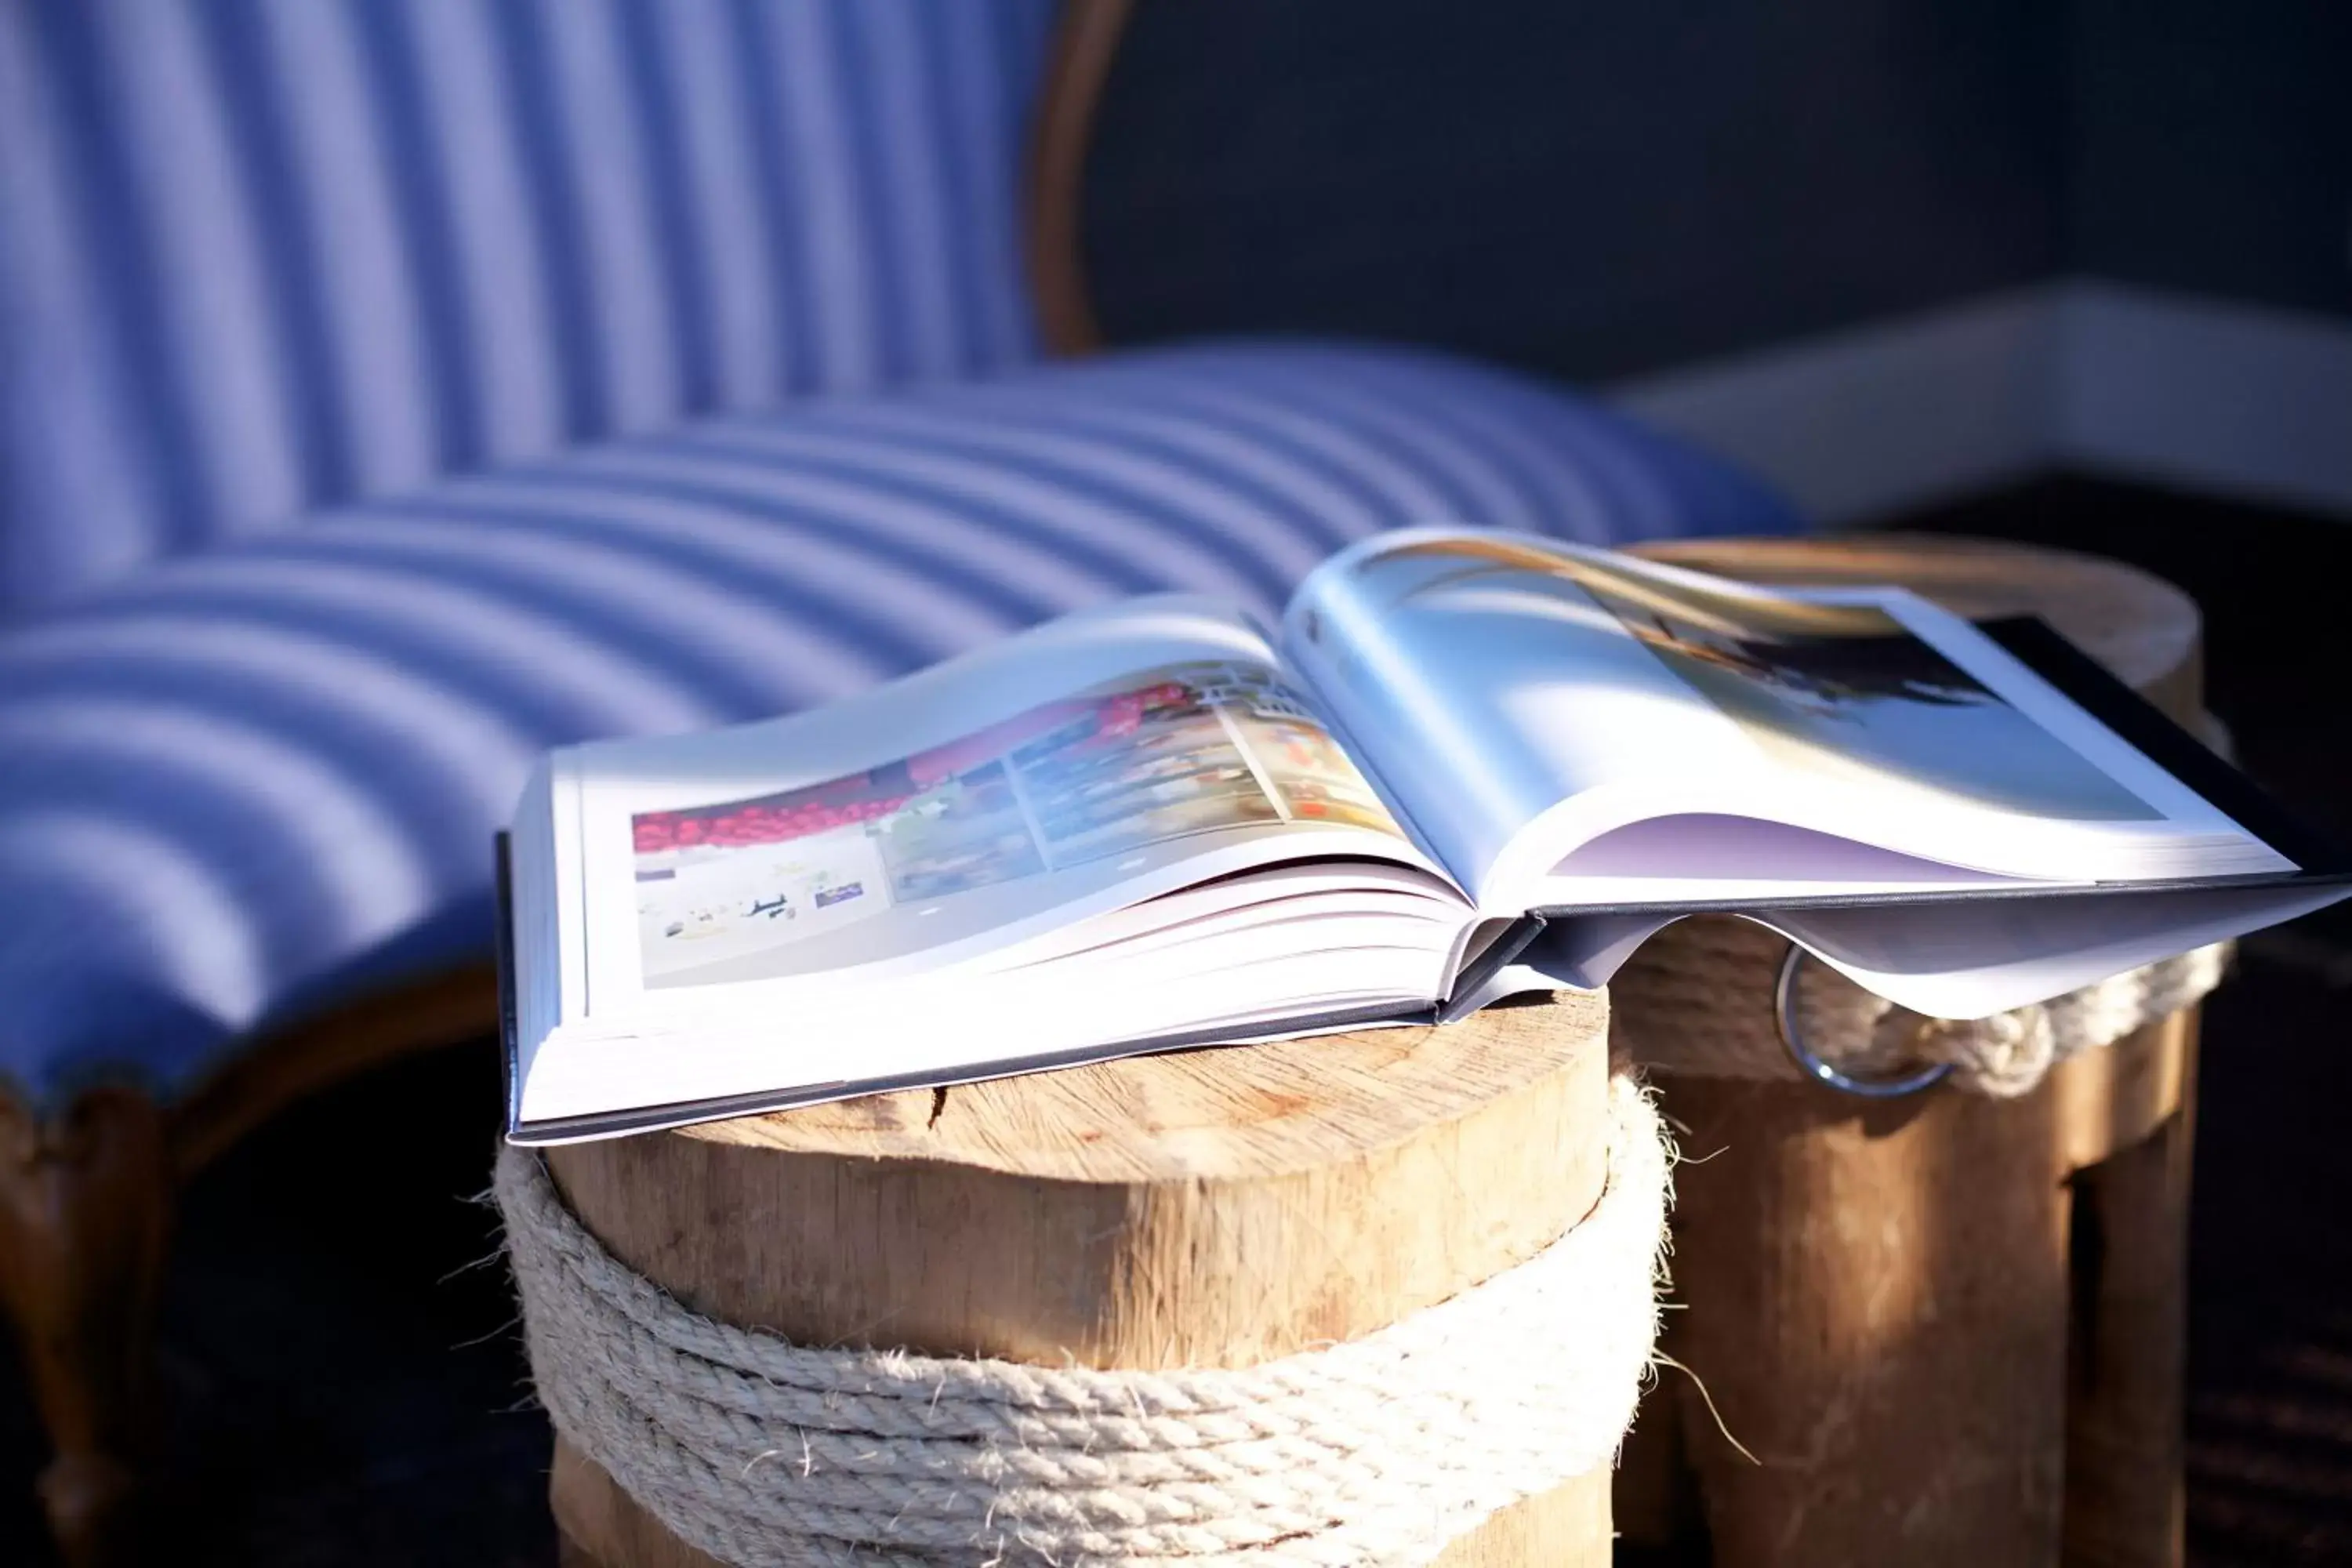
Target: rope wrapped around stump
{"points": [[1698, 999], [1373, 1452]]}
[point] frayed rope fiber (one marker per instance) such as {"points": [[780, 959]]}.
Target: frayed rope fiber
{"points": [[1366, 1454], [1698, 999]]}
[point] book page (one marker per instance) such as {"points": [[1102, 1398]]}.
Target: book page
{"points": [[1955, 960], [1525, 698], [1484, 687], [1102, 760]]}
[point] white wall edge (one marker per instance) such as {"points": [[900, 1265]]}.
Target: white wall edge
{"points": [[2193, 393], [2206, 394], [1875, 419]]}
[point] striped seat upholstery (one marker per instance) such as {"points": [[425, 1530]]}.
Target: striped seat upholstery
{"points": [[260, 257], [240, 783]]}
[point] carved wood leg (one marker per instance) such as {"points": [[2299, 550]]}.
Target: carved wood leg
{"points": [[85, 1204]]}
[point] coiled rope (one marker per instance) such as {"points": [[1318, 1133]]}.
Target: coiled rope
{"points": [[1697, 998], [1372, 1452]]}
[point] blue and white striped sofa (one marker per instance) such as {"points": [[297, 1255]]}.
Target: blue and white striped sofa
{"points": [[388, 393]]}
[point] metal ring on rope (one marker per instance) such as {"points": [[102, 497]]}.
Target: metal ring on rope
{"points": [[1784, 1016]]}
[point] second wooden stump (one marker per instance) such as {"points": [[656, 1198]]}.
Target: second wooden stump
{"points": [[1949, 1329]]}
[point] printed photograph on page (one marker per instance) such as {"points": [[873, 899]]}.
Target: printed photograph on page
{"points": [[1834, 691], [882, 863]]}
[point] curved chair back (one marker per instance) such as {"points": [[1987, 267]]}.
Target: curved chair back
{"points": [[258, 257]]}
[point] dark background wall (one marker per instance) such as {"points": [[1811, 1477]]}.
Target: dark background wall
{"points": [[2211, 147], [1599, 191]]}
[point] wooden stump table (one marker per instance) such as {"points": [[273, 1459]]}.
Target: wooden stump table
{"points": [[1950, 1329], [1207, 1208]]}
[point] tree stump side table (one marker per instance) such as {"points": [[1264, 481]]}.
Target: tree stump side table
{"points": [[1952, 1329], [1207, 1208]]}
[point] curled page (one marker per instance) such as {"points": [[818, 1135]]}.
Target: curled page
{"points": [[1524, 698]]}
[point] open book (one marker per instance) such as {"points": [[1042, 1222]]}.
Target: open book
{"points": [[1469, 764]]}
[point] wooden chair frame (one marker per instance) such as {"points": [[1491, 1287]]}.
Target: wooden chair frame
{"points": [[87, 1192]]}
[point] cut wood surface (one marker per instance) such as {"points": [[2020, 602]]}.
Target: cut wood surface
{"points": [[1891, 1304], [1213, 1207]]}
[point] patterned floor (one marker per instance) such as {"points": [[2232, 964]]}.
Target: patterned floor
{"points": [[346, 1386]]}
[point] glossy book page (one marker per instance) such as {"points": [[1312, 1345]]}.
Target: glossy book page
{"points": [[1527, 699]]}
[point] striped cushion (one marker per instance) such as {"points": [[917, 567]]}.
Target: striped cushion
{"points": [[249, 780], [258, 257]]}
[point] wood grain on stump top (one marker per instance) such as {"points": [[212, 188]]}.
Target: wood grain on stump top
{"points": [[1212, 1207]]}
